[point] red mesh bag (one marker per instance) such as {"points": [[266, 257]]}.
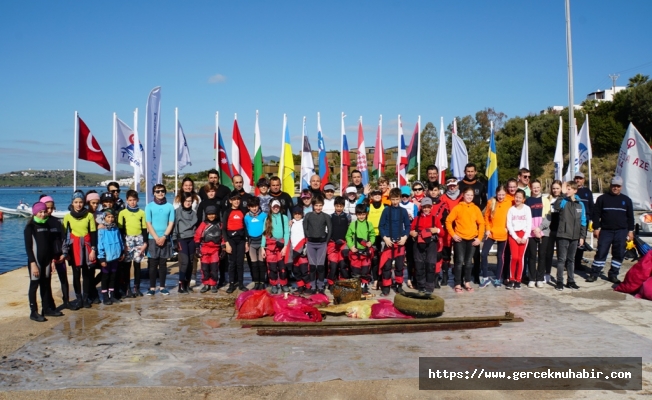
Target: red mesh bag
{"points": [[258, 305]]}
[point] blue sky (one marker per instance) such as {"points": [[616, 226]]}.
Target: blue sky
{"points": [[363, 58]]}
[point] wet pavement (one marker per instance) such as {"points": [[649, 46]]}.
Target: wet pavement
{"points": [[194, 340]]}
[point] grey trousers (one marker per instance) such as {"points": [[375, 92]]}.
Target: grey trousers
{"points": [[566, 249]]}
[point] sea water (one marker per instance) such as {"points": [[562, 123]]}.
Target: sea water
{"points": [[12, 243]]}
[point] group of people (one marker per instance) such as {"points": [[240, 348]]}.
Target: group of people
{"points": [[318, 238]]}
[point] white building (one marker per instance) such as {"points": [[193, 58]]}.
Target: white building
{"points": [[605, 95]]}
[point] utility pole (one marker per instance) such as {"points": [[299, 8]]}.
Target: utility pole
{"points": [[614, 78]]}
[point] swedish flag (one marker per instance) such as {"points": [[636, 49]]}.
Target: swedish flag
{"points": [[492, 167]]}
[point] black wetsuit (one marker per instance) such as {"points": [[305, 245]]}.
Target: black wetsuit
{"points": [[41, 247]]}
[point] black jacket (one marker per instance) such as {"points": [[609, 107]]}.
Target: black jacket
{"points": [[479, 191], [613, 212]]}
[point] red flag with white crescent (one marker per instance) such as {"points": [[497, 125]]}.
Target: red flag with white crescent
{"points": [[89, 149]]}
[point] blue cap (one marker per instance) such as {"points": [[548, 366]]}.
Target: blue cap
{"points": [[406, 191]]}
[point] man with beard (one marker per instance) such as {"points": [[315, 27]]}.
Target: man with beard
{"points": [[238, 186], [221, 192], [432, 175], [480, 200], [277, 194]]}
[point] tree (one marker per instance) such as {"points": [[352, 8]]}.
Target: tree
{"points": [[637, 80]]}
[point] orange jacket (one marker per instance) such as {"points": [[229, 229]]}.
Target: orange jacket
{"points": [[468, 220], [497, 224]]}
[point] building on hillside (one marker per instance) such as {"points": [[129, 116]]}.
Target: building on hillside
{"points": [[605, 95]]}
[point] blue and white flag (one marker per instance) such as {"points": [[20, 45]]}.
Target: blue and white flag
{"points": [[153, 159], [183, 153], [459, 154], [584, 152], [129, 150]]}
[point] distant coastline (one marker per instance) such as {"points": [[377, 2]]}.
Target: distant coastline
{"points": [[53, 178]]}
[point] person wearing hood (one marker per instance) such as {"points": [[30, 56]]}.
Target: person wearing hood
{"points": [[450, 199], [110, 251], [80, 248], [41, 248], [183, 233], [208, 240]]}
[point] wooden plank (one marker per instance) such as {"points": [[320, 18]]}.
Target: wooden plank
{"points": [[508, 317], [375, 330]]}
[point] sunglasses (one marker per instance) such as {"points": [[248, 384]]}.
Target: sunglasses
{"points": [[526, 176], [159, 191], [418, 189], [115, 191]]}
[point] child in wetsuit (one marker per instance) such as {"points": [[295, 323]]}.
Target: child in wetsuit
{"points": [[110, 248]]}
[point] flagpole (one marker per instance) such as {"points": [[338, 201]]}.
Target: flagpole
{"points": [[303, 135], [217, 144], [114, 140], [419, 149], [380, 129], [398, 154], [74, 153], [342, 189], [176, 149], [137, 148], [571, 110], [281, 163], [590, 154]]}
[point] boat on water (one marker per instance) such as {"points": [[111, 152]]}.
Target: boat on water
{"points": [[25, 211]]}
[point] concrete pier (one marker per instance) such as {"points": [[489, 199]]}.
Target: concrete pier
{"points": [[191, 345]]}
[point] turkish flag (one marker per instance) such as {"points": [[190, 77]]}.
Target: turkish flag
{"points": [[89, 149]]}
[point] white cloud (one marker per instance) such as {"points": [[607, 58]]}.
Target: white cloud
{"points": [[217, 78]]}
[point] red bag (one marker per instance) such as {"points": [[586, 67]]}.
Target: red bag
{"points": [[299, 313], [636, 275], [646, 290], [258, 305], [385, 309], [242, 298]]}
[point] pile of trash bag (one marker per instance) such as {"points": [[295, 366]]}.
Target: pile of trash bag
{"points": [[254, 304]]}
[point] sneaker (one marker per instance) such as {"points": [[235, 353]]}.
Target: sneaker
{"points": [[509, 285], [517, 285], [546, 278], [151, 292], [365, 289], [531, 284], [242, 288], [485, 282], [422, 292], [164, 292], [138, 293], [321, 291], [572, 285], [301, 290], [614, 280], [107, 301], [231, 288], [559, 286], [498, 283], [591, 278], [314, 291], [204, 289], [286, 289], [193, 282], [214, 289], [384, 291], [274, 289], [540, 284]]}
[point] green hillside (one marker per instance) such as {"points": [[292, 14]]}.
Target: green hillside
{"points": [[32, 178]]}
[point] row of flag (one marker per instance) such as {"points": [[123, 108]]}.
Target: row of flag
{"points": [[127, 149]]}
